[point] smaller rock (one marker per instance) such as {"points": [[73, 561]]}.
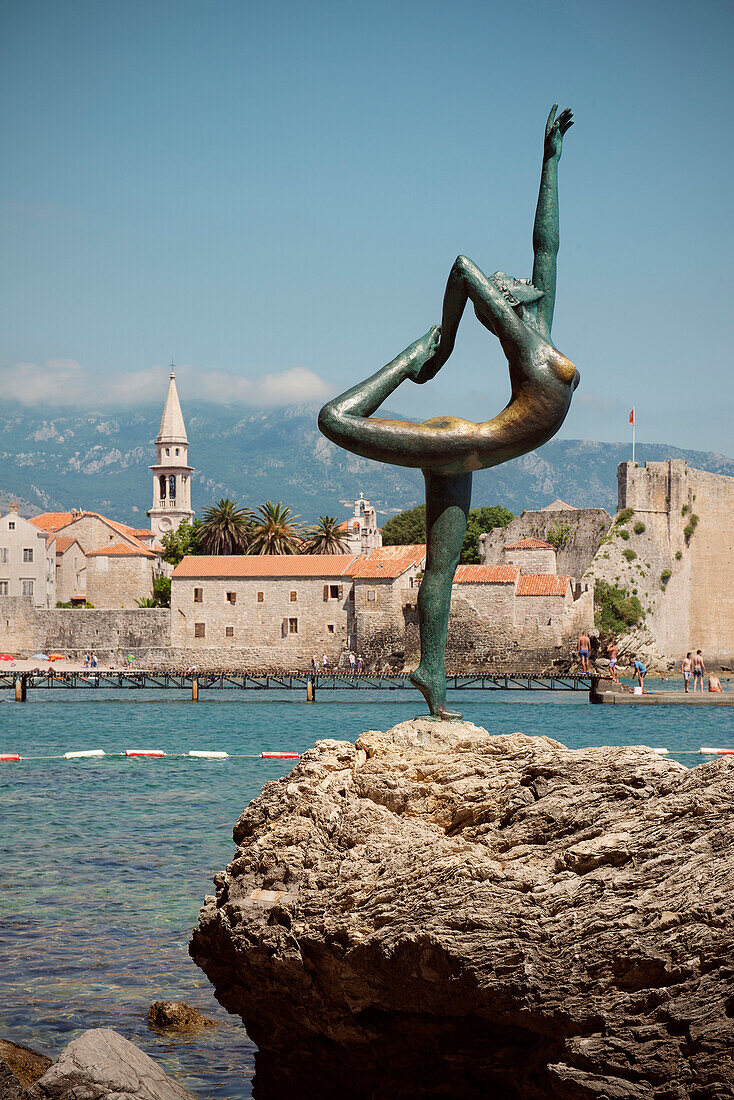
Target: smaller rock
{"points": [[101, 1065], [177, 1016], [10, 1086], [25, 1063]]}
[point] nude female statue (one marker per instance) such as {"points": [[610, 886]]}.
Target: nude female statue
{"points": [[448, 449]]}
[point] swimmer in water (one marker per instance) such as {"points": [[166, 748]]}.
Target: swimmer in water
{"points": [[449, 449]]}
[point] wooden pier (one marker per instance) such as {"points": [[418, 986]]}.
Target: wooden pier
{"points": [[667, 699], [306, 682]]}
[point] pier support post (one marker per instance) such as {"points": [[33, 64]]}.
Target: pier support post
{"points": [[21, 688], [195, 689], [311, 689]]}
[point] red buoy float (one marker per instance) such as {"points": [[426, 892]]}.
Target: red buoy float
{"points": [[280, 755], [144, 752], [9, 756]]}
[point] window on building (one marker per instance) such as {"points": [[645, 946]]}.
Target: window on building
{"points": [[261, 597], [168, 450], [333, 591], [199, 630], [294, 597], [231, 597], [372, 595], [27, 554], [3, 553], [293, 626], [27, 589], [177, 451], [164, 483], [11, 525], [3, 588], [229, 632], [198, 595], [329, 628], [172, 486]]}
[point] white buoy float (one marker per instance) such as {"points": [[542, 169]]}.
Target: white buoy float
{"points": [[83, 752], [208, 754]]}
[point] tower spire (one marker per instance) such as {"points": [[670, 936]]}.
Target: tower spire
{"points": [[171, 472]]}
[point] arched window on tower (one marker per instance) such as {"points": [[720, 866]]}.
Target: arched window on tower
{"points": [[172, 486], [163, 486]]}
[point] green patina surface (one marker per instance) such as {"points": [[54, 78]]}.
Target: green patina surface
{"points": [[449, 449]]}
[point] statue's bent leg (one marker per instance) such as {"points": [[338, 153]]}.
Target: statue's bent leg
{"points": [[447, 510], [345, 419]]}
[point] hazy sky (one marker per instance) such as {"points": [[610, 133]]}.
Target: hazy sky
{"points": [[273, 194]]}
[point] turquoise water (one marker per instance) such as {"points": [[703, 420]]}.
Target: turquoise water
{"points": [[105, 862]]}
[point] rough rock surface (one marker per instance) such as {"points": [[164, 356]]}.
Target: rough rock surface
{"points": [[177, 1016], [440, 912], [102, 1065], [26, 1064]]}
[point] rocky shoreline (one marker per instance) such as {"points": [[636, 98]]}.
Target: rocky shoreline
{"points": [[436, 911]]}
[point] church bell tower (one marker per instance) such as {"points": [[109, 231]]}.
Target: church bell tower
{"points": [[171, 473]]}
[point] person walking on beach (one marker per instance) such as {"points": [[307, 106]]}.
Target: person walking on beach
{"points": [[640, 670], [583, 650], [686, 666], [699, 668], [612, 651]]}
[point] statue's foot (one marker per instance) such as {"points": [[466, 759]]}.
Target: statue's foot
{"points": [[423, 352], [433, 690]]}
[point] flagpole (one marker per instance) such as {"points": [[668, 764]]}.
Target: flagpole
{"points": [[634, 425]]}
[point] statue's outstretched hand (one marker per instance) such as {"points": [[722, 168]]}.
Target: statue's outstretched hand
{"points": [[555, 128]]}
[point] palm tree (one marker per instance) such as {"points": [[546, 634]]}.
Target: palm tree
{"points": [[325, 538], [226, 529], [275, 530]]}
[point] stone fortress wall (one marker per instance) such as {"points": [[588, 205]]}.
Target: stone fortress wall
{"points": [[582, 530], [111, 635], [677, 557]]}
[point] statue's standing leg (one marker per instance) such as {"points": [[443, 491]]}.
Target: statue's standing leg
{"points": [[447, 510]]}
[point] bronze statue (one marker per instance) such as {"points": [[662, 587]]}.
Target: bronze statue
{"points": [[448, 450]]}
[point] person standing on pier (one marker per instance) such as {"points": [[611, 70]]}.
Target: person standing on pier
{"points": [[699, 669], [584, 645], [686, 666]]}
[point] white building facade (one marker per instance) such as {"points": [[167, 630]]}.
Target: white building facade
{"points": [[27, 561]]}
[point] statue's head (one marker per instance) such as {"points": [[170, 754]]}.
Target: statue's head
{"points": [[518, 292]]}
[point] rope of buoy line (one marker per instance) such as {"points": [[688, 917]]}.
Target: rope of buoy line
{"points": [[200, 754], [216, 754]]}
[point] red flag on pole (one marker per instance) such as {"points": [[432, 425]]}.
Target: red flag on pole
{"points": [[632, 416]]}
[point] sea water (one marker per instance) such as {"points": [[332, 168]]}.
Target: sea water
{"points": [[105, 862]]}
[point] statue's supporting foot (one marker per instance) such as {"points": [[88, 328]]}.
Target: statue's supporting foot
{"points": [[433, 689]]}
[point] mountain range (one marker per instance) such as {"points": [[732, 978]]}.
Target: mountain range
{"points": [[99, 462]]}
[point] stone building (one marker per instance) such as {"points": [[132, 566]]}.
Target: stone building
{"points": [[171, 472], [503, 619], [531, 556], [575, 533], [277, 611], [360, 532], [672, 546], [110, 564], [27, 561]]}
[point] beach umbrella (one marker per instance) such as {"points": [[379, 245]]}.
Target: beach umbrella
{"points": [[39, 657], [56, 657], [6, 657]]}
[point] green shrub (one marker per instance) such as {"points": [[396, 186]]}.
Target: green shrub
{"points": [[614, 609], [690, 528], [639, 527], [624, 516], [624, 535], [678, 555], [560, 535], [666, 575], [684, 510], [86, 606], [629, 554]]}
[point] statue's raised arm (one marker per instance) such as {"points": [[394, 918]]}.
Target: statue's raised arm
{"points": [[545, 230]]}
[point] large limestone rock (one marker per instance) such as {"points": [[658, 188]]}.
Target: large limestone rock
{"points": [[102, 1065], [440, 912]]}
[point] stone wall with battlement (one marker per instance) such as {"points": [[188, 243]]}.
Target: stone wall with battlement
{"points": [[577, 533]]}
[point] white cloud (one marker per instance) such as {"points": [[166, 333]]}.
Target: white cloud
{"points": [[65, 383]]}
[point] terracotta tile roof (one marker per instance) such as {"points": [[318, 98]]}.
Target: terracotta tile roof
{"points": [[387, 562], [530, 544], [487, 574], [348, 525], [264, 565], [63, 542], [52, 521], [121, 550], [542, 584]]}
